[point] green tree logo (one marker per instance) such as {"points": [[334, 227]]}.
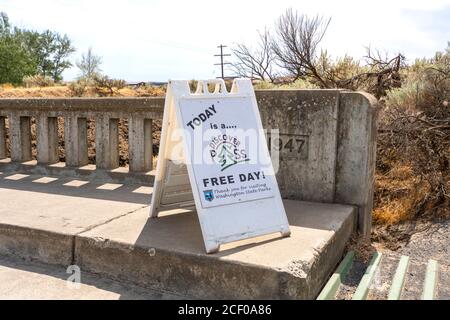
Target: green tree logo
{"points": [[227, 157]]}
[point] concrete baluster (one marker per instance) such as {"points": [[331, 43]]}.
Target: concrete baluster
{"points": [[2, 138], [47, 139], [83, 158], [106, 142], [140, 144], [20, 137], [75, 137], [148, 145]]}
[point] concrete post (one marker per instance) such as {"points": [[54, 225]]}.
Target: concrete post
{"points": [[20, 137], [42, 139], [25, 138], [47, 139], [106, 142], [2, 138], [140, 144], [75, 137], [356, 155]]}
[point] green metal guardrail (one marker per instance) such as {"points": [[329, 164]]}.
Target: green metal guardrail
{"points": [[398, 281]]}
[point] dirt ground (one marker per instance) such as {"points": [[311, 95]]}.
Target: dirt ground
{"points": [[426, 240]]}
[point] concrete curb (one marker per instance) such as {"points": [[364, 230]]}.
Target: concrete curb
{"points": [[186, 274], [46, 246], [207, 276]]}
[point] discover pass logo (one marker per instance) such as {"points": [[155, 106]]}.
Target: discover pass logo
{"points": [[226, 151]]}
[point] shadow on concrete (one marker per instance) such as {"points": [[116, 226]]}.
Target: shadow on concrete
{"points": [[131, 193], [125, 290], [182, 231]]}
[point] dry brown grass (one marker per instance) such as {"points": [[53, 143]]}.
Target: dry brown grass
{"points": [[41, 92], [8, 91], [142, 92], [398, 193]]}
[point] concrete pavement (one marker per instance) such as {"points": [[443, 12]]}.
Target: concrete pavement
{"points": [[21, 279], [104, 229]]}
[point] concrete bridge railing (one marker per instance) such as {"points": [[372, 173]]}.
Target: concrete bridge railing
{"points": [[327, 140], [106, 113]]}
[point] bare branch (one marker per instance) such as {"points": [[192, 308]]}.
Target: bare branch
{"points": [[296, 44], [255, 64]]}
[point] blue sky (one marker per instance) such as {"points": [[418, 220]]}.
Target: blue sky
{"points": [[156, 40]]}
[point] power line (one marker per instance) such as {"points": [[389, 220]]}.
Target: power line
{"points": [[221, 55]]}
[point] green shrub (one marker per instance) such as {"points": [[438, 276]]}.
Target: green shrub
{"points": [[38, 81], [297, 84], [300, 84], [78, 88], [105, 86], [409, 96], [425, 86]]}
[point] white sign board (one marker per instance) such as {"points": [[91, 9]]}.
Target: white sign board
{"points": [[214, 158]]}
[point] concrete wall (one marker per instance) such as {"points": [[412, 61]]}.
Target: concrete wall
{"points": [[307, 142], [326, 141]]}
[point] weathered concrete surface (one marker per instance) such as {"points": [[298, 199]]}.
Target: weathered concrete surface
{"points": [[20, 137], [106, 142], [140, 149], [3, 148], [44, 245], [356, 155], [168, 253], [307, 124], [91, 106], [47, 140], [39, 218], [327, 145], [75, 140], [105, 229], [20, 279]]}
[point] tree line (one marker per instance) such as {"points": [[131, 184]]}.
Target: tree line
{"points": [[26, 52]]}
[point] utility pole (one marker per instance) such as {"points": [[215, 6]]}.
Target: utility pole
{"points": [[222, 63]]}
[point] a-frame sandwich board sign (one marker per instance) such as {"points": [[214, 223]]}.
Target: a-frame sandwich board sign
{"points": [[214, 159]]}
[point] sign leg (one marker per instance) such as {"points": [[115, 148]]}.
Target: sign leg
{"points": [[286, 232], [212, 247]]}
